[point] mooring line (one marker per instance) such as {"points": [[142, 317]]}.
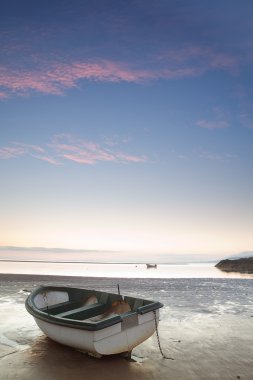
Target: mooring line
{"points": [[158, 339]]}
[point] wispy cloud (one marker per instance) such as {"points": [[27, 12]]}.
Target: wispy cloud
{"points": [[11, 152], [86, 152], [217, 121], [58, 76], [196, 60], [214, 156], [69, 148], [210, 124], [17, 149]]}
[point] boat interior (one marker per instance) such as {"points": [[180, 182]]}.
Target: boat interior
{"points": [[90, 306]]}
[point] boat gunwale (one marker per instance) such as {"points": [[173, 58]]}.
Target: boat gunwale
{"points": [[82, 324]]}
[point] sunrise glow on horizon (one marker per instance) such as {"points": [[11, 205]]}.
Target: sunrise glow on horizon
{"points": [[127, 126]]}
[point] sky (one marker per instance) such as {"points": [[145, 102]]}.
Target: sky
{"points": [[127, 125]]}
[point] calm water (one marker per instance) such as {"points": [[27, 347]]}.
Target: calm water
{"points": [[119, 270]]}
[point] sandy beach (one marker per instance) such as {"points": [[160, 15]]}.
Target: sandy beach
{"points": [[205, 326]]}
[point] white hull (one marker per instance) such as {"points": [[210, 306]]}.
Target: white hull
{"points": [[111, 340], [100, 323]]}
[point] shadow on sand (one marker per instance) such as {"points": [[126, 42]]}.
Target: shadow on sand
{"points": [[46, 359]]}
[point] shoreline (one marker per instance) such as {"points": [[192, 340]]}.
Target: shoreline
{"points": [[14, 277], [44, 277], [207, 341]]}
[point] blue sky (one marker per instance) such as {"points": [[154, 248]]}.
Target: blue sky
{"points": [[127, 125]]}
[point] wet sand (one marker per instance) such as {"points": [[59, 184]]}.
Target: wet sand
{"points": [[204, 345]]}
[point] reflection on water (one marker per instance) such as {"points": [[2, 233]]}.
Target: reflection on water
{"points": [[119, 270]]}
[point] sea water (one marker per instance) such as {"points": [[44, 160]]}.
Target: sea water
{"points": [[120, 270]]}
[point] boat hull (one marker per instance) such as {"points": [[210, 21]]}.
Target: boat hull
{"points": [[108, 341], [92, 321]]}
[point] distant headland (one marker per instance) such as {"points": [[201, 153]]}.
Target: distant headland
{"points": [[242, 265]]}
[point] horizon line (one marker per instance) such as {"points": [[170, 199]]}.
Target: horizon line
{"points": [[103, 262]]}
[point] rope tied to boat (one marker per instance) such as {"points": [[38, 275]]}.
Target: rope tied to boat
{"points": [[158, 339]]}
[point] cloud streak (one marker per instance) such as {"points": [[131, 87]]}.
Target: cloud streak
{"points": [[218, 120], [214, 156], [199, 59], [64, 148], [56, 77], [210, 124]]}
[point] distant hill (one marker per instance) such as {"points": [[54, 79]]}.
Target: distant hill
{"points": [[242, 254], [242, 265]]}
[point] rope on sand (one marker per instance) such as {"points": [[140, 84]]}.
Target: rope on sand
{"points": [[158, 340]]}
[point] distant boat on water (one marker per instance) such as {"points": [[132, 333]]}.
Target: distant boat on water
{"points": [[151, 266]]}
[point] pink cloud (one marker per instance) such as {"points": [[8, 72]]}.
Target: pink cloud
{"points": [[55, 78], [48, 159], [128, 158], [11, 152], [3, 95], [86, 152], [65, 147], [29, 147], [84, 155], [20, 149]]}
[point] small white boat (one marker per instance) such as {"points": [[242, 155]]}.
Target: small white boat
{"points": [[96, 322]]}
